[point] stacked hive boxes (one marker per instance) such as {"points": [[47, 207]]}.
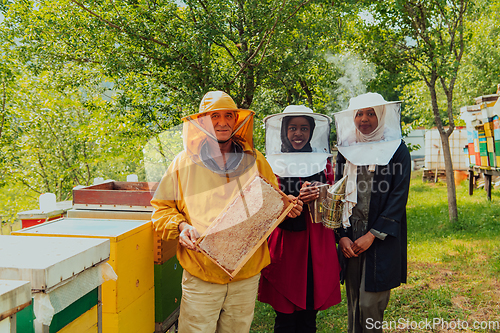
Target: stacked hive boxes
{"points": [[128, 302], [65, 277], [121, 201], [482, 149], [167, 270], [434, 159], [496, 135]]}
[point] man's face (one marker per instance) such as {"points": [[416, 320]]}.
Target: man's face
{"points": [[366, 120], [222, 122]]}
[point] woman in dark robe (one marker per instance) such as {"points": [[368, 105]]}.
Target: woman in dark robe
{"points": [[373, 237]]}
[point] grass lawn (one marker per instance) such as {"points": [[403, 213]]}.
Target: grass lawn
{"points": [[453, 270]]}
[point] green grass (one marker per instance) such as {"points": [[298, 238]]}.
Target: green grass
{"points": [[452, 268]]}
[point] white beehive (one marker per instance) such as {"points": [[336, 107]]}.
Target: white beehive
{"points": [[434, 151]]}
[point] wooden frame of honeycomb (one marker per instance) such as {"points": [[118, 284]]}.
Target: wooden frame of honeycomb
{"points": [[244, 224]]}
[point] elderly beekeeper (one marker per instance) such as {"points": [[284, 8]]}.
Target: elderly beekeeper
{"points": [[373, 233], [218, 158], [304, 273]]}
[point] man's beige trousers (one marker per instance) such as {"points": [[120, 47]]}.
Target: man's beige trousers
{"points": [[223, 308]]}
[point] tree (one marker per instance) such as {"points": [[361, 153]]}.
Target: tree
{"points": [[185, 50], [64, 136], [164, 56], [430, 37], [480, 72]]}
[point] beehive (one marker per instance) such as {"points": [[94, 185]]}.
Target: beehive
{"points": [[131, 256], [65, 271], [167, 270]]}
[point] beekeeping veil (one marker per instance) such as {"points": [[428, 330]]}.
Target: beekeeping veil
{"points": [[198, 131], [193, 179], [288, 162], [194, 134], [376, 147]]}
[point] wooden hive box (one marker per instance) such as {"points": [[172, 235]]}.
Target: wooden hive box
{"points": [[167, 270], [33, 217], [63, 270], [135, 196], [163, 251], [14, 297], [128, 302], [244, 224]]}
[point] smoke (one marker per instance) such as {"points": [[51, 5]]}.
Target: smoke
{"points": [[355, 74]]}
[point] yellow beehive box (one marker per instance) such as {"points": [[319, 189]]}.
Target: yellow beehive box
{"points": [[490, 144], [131, 255], [163, 250], [138, 317], [86, 323]]}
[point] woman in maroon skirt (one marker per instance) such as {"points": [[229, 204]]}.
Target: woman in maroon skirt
{"points": [[303, 276]]}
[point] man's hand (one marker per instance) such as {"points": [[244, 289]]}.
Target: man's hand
{"points": [[345, 245], [297, 208], [308, 193], [188, 236], [363, 243]]}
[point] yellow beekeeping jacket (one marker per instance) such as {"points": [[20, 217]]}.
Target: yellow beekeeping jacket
{"points": [[191, 192]]}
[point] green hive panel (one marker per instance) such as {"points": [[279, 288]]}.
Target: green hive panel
{"points": [[74, 311], [168, 290]]}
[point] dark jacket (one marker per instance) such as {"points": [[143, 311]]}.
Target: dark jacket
{"points": [[386, 259]]}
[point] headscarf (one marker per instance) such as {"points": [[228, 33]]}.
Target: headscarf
{"points": [[286, 145], [351, 191], [378, 133]]}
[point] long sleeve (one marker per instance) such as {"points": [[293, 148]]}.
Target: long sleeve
{"points": [[394, 207], [166, 215]]}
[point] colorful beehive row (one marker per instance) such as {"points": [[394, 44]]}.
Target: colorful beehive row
{"points": [[483, 132], [484, 151]]}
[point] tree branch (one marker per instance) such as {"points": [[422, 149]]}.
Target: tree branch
{"points": [[114, 26], [4, 99]]}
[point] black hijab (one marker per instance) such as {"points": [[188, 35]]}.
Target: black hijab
{"points": [[286, 146]]}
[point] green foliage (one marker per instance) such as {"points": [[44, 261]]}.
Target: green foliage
{"points": [[62, 136], [481, 64], [178, 52], [15, 198]]}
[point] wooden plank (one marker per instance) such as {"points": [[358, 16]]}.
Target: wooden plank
{"points": [[116, 194]]}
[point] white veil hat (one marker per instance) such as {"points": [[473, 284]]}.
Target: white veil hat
{"points": [[374, 152], [298, 164]]}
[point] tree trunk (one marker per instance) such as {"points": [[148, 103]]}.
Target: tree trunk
{"points": [[448, 164], [450, 177]]}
